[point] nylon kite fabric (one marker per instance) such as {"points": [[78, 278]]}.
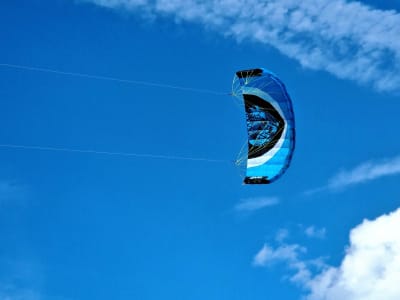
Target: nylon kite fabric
{"points": [[270, 124]]}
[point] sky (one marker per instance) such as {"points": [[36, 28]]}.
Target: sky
{"points": [[118, 137]]}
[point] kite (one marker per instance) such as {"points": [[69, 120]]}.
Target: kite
{"points": [[270, 124]]}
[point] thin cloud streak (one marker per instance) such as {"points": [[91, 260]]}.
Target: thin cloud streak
{"points": [[364, 172], [253, 204], [350, 40]]}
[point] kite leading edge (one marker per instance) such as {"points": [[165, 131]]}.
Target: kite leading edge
{"points": [[270, 124]]}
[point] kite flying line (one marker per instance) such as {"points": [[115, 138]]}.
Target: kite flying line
{"points": [[127, 154], [115, 79]]}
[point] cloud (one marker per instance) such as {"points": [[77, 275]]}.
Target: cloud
{"points": [[370, 269], [281, 235], [313, 232], [364, 172], [10, 293], [350, 40], [253, 204], [289, 254], [20, 280], [268, 255], [11, 192]]}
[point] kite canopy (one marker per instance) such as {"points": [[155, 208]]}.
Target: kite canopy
{"points": [[270, 124]]}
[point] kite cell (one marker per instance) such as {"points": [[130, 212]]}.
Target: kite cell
{"points": [[270, 124]]}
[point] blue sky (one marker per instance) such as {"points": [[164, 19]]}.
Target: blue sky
{"points": [[77, 225]]}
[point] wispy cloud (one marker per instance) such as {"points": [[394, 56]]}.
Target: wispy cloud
{"points": [[365, 172], [288, 254], [268, 255], [348, 39], [20, 280], [11, 293], [362, 173], [282, 234], [253, 204], [314, 232], [11, 192], [369, 270]]}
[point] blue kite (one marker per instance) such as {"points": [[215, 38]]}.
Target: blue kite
{"points": [[270, 124]]}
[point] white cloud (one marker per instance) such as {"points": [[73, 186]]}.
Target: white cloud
{"points": [[262, 256], [314, 232], [253, 204], [289, 254], [281, 235], [268, 255], [370, 269], [350, 40], [364, 172]]}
